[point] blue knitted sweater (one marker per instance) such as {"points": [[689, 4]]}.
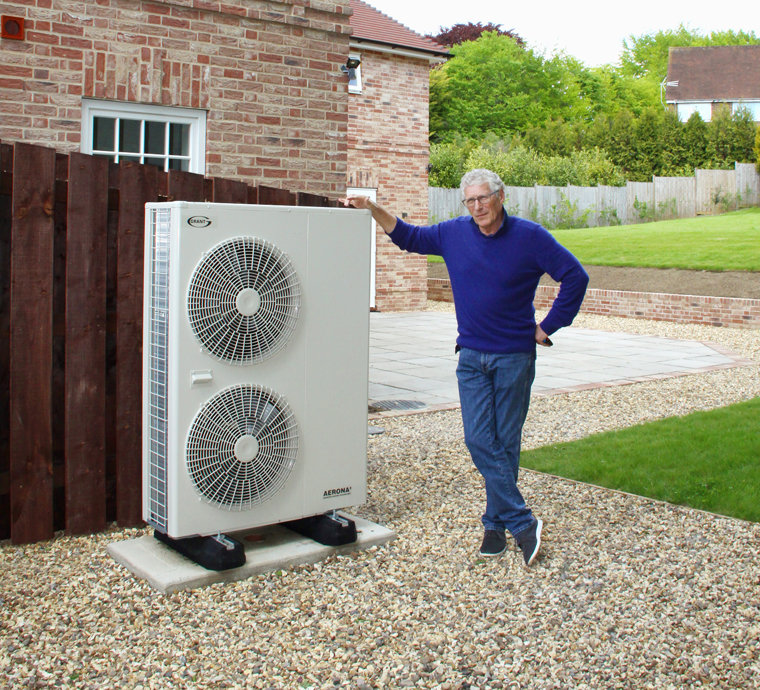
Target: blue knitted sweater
{"points": [[494, 278]]}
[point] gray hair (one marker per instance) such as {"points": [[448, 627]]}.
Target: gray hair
{"points": [[481, 176]]}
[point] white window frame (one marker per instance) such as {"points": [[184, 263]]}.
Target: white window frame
{"points": [[686, 110], [355, 85], [752, 106], [196, 119]]}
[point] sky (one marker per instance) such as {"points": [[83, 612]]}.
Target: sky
{"points": [[591, 31]]}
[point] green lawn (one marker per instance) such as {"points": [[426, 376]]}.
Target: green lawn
{"points": [[728, 242], [706, 460]]}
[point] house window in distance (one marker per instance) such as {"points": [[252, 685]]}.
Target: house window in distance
{"points": [[686, 110], [753, 107], [169, 138]]}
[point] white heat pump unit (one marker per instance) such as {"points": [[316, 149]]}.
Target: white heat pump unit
{"points": [[256, 327]]}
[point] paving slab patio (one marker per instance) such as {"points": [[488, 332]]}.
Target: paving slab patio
{"points": [[412, 361]]}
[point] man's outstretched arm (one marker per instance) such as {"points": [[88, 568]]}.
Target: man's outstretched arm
{"points": [[384, 219]]}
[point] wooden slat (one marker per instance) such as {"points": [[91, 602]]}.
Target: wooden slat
{"points": [[85, 390], [111, 272], [58, 418], [307, 199], [6, 181], [31, 337], [137, 185], [184, 186], [276, 197], [229, 191]]}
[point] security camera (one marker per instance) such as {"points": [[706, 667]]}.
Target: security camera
{"points": [[350, 67]]}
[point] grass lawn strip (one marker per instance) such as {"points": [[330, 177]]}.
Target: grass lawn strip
{"points": [[706, 460]]}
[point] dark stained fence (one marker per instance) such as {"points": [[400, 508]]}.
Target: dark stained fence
{"points": [[71, 300]]}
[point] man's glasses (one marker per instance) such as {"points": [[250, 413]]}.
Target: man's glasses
{"points": [[482, 200]]}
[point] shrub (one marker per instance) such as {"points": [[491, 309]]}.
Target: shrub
{"points": [[446, 165]]}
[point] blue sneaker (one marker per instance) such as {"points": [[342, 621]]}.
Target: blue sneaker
{"points": [[529, 541], [494, 543]]}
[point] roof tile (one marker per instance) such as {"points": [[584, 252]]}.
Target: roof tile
{"points": [[714, 73], [370, 24]]}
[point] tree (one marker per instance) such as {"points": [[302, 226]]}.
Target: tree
{"points": [[459, 33], [496, 85]]}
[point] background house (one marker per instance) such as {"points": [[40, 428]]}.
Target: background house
{"points": [[388, 150], [704, 79]]}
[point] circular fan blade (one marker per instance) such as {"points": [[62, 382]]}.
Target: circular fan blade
{"points": [[242, 446], [243, 300]]}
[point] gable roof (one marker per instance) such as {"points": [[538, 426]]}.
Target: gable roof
{"points": [[369, 24], [714, 73]]}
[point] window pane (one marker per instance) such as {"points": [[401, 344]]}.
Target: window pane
{"points": [[175, 164], [179, 140], [129, 135], [123, 159], [158, 162], [102, 133], [154, 137]]}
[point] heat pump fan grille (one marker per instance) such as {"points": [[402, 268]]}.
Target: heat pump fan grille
{"points": [[243, 300], [242, 447]]}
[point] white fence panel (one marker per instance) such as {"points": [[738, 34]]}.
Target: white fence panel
{"points": [[444, 204], [748, 184], [716, 190], [639, 201], [520, 201], [675, 197], [611, 205], [709, 191]]}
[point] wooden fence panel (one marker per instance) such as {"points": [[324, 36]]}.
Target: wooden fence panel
{"points": [[674, 197], [640, 196], [306, 199], [6, 182], [71, 299], [85, 382], [748, 183], [276, 197], [715, 191], [229, 191], [31, 344], [185, 186], [137, 186]]}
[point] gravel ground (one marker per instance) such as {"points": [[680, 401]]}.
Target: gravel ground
{"points": [[627, 593]]}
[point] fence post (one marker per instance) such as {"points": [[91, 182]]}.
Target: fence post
{"points": [[31, 344]]}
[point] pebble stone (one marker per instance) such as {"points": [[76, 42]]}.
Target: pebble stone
{"points": [[627, 592]]}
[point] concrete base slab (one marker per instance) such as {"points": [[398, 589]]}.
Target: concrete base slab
{"points": [[266, 549]]}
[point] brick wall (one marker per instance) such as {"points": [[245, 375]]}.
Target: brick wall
{"points": [[388, 150], [268, 74], [730, 312]]}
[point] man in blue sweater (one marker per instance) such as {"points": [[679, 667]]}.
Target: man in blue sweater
{"points": [[495, 262]]}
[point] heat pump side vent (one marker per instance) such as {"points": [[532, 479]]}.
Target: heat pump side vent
{"points": [[158, 318]]}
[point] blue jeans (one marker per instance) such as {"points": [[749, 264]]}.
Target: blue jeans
{"points": [[494, 392]]}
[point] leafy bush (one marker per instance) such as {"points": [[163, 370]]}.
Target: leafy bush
{"points": [[447, 163], [519, 166]]}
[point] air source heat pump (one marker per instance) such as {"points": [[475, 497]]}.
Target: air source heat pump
{"points": [[256, 327]]}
